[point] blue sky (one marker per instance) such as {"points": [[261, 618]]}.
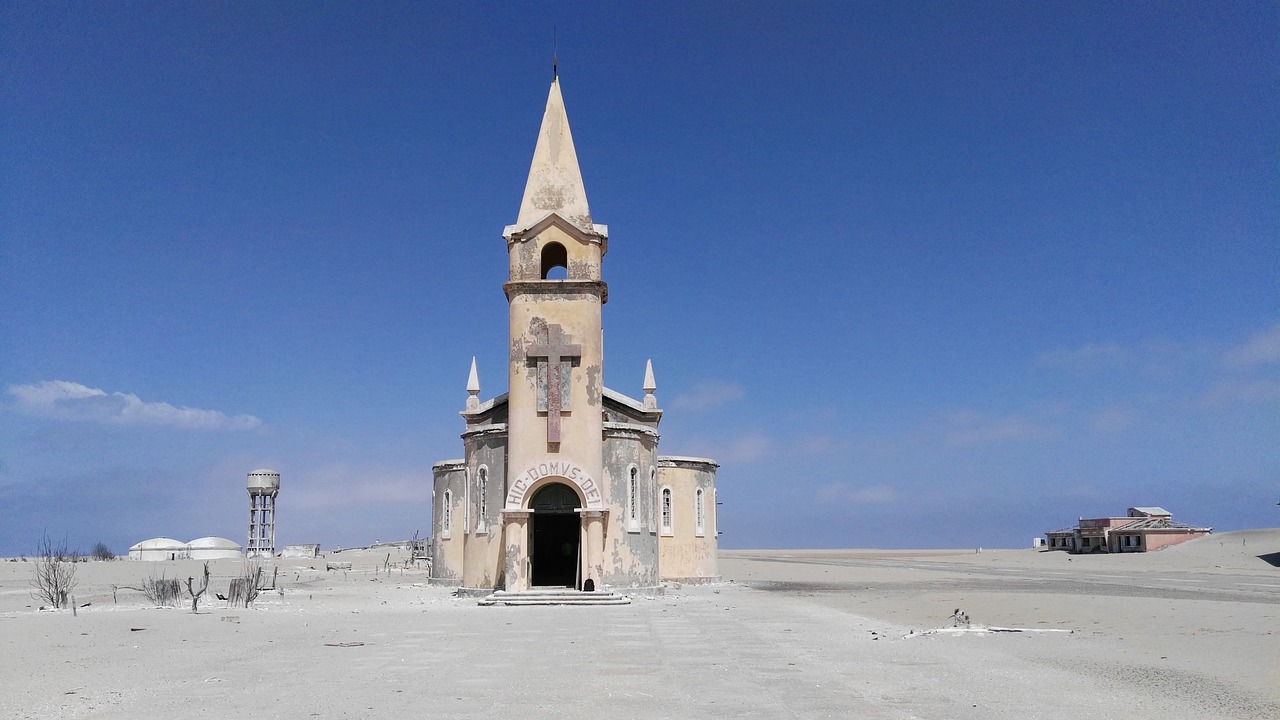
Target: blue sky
{"points": [[916, 274]]}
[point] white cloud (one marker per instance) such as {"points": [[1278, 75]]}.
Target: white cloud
{"points": [[747, 449], [741, 450], [1262, 349], [63, 400], [708, 395], [842, 494], [818, 444], [1086, 357], [1229, 394], [346, 485], [973, 428], [1113, 418]]}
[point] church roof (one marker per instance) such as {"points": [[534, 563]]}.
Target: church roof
{"points": [[624, 400], [555, 181], [494, 403], [612, 399], [630, 407]]}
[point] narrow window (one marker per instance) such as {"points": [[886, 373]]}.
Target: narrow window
{"points": [[555, 261], [482, 503], [633, 492], [666, 511], [649, 493], [446, 515], [699, 524]]}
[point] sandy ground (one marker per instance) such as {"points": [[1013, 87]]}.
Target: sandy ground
{"points": [[1190, 630]]}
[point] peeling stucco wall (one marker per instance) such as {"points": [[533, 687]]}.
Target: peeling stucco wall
{"points": [[583, 252], [482, 557], [631, 549], [446, 549], [688, 554]]}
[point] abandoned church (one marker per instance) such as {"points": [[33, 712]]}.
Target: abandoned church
{"points": [[561, 484]]}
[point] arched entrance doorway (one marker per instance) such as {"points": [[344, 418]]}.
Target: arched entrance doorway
{"points": [[555, 532]]}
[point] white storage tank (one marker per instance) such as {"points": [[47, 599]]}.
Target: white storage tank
{"points": [[161, 548], [213, 548]]}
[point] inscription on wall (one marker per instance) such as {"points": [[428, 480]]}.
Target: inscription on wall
{"points": [[569, 471]]}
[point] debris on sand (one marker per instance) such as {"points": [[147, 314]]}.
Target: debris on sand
{"points": [[983, 631]]}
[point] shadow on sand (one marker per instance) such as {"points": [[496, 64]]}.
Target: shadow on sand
{"points": [[1272, 558]]}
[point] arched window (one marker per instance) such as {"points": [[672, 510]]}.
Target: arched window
{"points": [[555, 261], [698, 514], [633, 499], [446, 514], [666, 511], [482, 501], [651, 497]]}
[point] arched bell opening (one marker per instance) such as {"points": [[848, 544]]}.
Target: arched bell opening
{"points": [[555, 536], [555, 261]]}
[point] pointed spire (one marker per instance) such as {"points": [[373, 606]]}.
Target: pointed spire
{"points": [[473, 387], [650, 400], [555, 182]]}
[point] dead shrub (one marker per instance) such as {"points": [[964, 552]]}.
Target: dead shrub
{"points": [[195, 594], [53, 576], [162, 591], [244, 589]]}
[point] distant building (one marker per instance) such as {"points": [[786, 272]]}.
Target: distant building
{"points": [[205, 548], [1143, 529], [161, 548], [309, 550], [213, 548]]}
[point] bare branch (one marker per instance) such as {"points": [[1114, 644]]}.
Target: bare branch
{"points": [[195, 595], [54, 573]]}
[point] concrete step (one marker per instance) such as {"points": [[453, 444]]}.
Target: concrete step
{"points": [[555, 596]]}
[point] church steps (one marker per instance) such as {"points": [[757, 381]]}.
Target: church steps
{"points": [[555, 597]]}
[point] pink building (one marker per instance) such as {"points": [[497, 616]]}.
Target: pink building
{"points": [[1143, 529]]}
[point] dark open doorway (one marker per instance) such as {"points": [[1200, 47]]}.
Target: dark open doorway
{"points": [[555, 533]]}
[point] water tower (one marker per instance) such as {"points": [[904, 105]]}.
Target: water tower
{"points": [[263, 485]]}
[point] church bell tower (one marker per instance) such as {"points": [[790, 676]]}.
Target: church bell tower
{"points": [[555, 294], [561, 488]]}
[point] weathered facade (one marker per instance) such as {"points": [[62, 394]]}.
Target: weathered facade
{"points": [[1142, 529], [561, 484]]}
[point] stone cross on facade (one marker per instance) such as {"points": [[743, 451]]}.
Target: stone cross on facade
{"points": [[556, 350]]}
